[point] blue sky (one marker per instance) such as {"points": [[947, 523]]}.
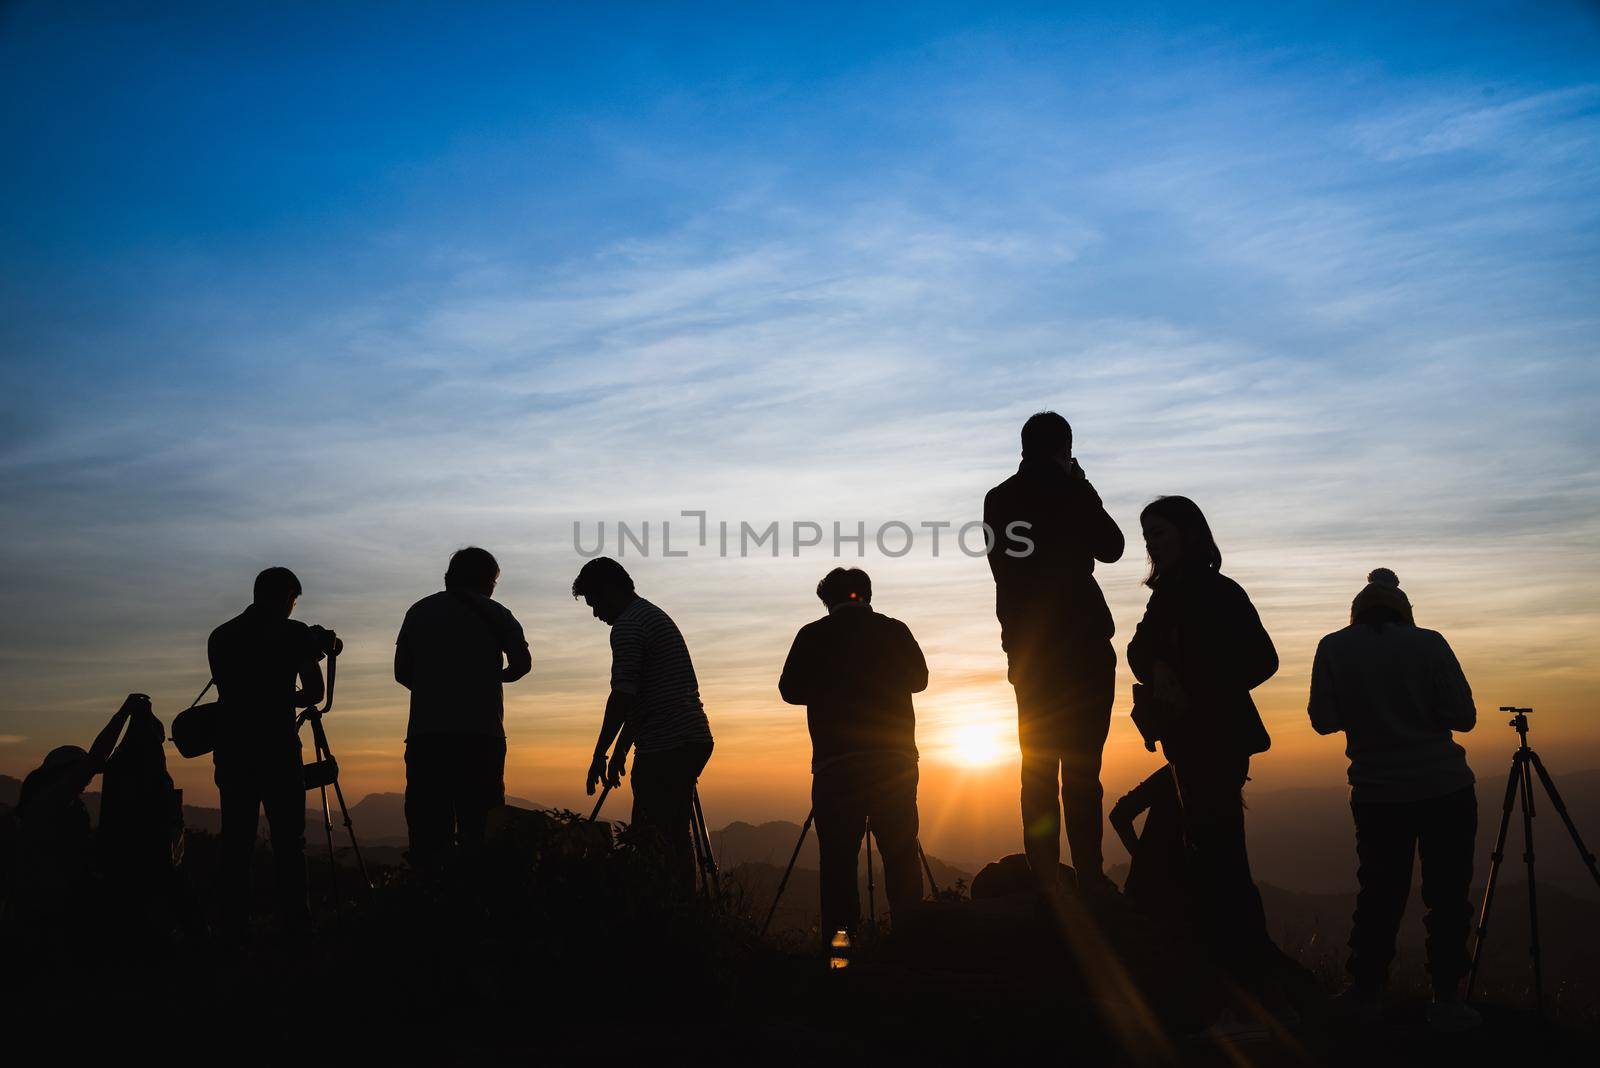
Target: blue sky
{"points": [[345, 289]]}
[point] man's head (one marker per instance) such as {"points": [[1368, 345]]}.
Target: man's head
{"points": [[605, 586], [276, 591], [845, 585], [1047, 436], [472, 569]]}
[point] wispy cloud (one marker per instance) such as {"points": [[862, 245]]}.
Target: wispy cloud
{"points": [[1291, 303]]}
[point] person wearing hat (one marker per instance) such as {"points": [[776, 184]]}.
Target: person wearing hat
{"points": [[1397, 693]]}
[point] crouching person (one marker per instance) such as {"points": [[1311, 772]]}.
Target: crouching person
{"points": [[855, 671], [1397, 693]]}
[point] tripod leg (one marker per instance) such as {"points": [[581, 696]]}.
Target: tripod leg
{"points": [[333, 865], [709, 858], [804, 830], [600, 801], [699, 858], [1533, 893], [872, 900], [1496, 858], [350, 829], [1566, 817], [933, 887]]}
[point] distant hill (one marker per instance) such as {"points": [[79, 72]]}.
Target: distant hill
{"points": [[771, 844], [1304, 839], [379, 818]]}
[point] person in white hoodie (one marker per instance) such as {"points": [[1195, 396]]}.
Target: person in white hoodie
{"points": [[1397, 693]]}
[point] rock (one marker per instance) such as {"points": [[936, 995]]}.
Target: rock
{"points": [[1011, 875]]}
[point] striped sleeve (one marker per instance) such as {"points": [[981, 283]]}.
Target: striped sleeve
{"points": [[627, 655]]}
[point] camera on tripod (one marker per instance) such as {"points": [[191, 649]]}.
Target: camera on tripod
{"points": [[1525, 766]]}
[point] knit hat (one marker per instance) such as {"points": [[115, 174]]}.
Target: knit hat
{"points": [[1382, 591]]}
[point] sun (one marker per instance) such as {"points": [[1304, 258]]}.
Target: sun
{"points": [[977, 745]]}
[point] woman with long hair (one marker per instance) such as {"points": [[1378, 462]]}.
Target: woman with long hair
{"points": [[1198, 652]]}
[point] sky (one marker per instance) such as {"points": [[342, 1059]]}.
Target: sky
{"points": [[347, 287]]}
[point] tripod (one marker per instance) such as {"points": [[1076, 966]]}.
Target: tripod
{"points": [[323, 772], [1519, 787], [705, 862], [872, 904]]}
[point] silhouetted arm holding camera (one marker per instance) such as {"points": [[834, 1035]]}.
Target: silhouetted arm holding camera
{"points": [[106, 740], [1101, 532], [311, 691]]}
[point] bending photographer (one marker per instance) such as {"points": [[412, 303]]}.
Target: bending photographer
{"points": [[256, 658], [654, 705], [855, 671]]}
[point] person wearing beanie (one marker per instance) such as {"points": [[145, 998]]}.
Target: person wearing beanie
{"points": [[1397, 693]]}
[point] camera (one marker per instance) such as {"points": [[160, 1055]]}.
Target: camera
{"points": [[324, 641]]}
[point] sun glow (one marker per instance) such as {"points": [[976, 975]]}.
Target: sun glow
{"points": [[977, 745]]}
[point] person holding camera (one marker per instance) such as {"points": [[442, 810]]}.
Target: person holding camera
{"points": [[654, 706], [1047, 528], [257, 658], [456, 651], [855, 671], [1397, 693]]}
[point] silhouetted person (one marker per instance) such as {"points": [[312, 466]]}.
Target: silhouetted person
{"points": [[1397, 693], [855, 671], [456, 650], [1156, 880], [1202, 649], [1048, 528], [654, 707], [56, 849], [140, 836], [256, 658]]}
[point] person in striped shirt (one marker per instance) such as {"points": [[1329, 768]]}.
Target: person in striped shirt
{"points": [[654, 707]]}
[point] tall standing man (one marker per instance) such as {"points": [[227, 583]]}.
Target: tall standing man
{"points": [[456, 650], [256, 658], [1047, 529], [654, 706], [855, 671]]}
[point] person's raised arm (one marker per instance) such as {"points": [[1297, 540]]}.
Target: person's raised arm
{"points": [[106, 740], [1323, 706], [1105, 537]]}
